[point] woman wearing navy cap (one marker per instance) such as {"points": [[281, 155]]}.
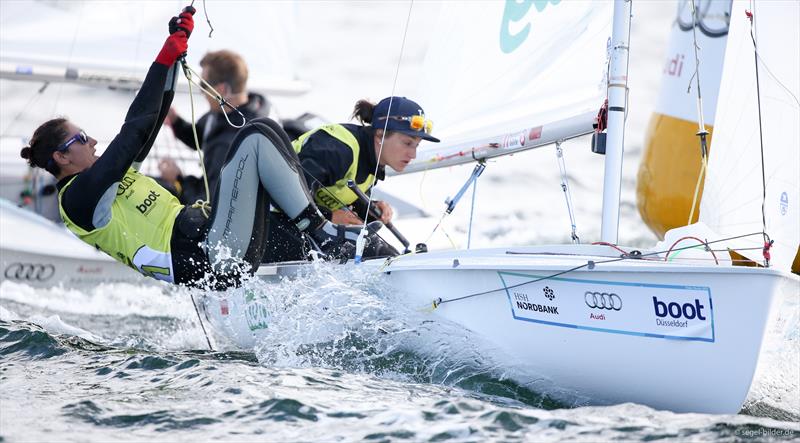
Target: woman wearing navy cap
{"points": [[332, 154]]}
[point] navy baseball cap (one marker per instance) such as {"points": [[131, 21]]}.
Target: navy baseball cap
{"points": [[404, 116]]}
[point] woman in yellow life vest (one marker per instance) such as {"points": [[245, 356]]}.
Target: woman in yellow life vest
{"points": [[106, 202], [334, 154]]}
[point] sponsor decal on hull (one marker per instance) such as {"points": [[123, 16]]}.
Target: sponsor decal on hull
{"points": [[639, 309]]}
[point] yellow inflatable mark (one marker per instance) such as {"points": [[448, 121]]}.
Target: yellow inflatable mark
{"points": [[668, 173], [671, 160]]}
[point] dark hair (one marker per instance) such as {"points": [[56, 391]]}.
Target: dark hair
{"points": [[44, 141], [363, 111], [225, 66]]}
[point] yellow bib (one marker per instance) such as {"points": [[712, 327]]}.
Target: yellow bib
{"points": [[140, 229]]}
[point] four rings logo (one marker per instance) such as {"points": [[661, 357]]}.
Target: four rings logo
{"points": [[30, 271], [603, 300]]}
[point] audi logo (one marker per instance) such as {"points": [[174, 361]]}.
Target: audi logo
{"points": [[603, 300], [30, 271]]}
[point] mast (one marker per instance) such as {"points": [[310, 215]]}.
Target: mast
{"points": [[617, 94]]}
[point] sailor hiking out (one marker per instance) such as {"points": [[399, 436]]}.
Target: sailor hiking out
{"points": [[109, 204]]}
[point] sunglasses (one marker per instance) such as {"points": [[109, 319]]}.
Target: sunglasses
{"points": [[416, 122], [79, 137]]}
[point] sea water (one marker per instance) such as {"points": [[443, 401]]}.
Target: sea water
{"points": [[120, 362], [130, 363]]}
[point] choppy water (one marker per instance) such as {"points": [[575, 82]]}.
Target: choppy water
{"points": [[129, 363]]}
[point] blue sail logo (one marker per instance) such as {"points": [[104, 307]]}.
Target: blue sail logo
{"points": [[514, 12]]}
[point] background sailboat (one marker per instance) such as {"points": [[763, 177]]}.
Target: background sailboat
{"points": [[671, 160]]}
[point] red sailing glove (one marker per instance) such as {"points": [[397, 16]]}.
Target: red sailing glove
{"points": [[174, 47], [183, 22], [180, 28]]}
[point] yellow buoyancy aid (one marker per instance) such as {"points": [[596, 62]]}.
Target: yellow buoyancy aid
{"points": [[338, 195], [140, 229]]}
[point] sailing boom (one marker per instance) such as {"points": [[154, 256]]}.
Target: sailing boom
{"points": [[508, 143]]}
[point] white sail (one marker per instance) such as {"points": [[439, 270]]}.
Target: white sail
{"points": [[513, 75], [732, 197], [110, 43]]}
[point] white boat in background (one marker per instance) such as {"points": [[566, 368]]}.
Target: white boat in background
{"points": [[672, 327], [37, 252]]}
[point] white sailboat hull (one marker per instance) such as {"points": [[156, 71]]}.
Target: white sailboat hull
{"points": [[685, 338], [37, 252]]}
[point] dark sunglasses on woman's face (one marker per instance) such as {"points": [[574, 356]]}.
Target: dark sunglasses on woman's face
{"points": [[79, 137]]}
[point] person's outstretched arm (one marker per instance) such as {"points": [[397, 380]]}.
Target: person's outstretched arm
{"points": [[88, 199]]}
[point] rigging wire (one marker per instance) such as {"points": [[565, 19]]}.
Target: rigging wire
{"points": [[69, 57], [472, 212], [562, 167], [391, 97], [767, 241], [633, 255], [205, 14]]}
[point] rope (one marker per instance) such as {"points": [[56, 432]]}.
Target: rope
{"points": [[666, 256], [203, 205], [424, 206], [701, 131], [34, 98], [211, 92], [703, 166], [206, 88], [205, 14]]}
